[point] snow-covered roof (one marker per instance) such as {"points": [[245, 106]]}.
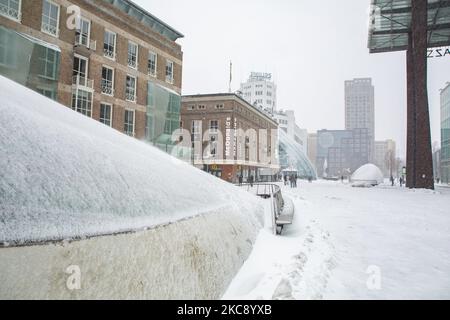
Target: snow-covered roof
{"points": [[63, 175]]}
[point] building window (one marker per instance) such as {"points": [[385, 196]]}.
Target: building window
{"points": [[169, 71], [83, 32], [50, 18], [132, 55], [8, 50], [48, 63], [47, 93], [213, 126], [106, 114], [152, 64], [130, 92], [201, 107], [108, 81], [80, 71], [11, 9], [219, 106], [213, 146], [109, 45], [196, 126], [129, 122], [82, 102]]}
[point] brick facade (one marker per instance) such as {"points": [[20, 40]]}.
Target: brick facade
{"points": [[104, 16], [222, 108]]}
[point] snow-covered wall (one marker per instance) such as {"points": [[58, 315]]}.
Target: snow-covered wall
{"points": [[193, 259], [146, 224]]}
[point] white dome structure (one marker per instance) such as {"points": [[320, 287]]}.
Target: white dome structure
{"points": [[367, 175]]}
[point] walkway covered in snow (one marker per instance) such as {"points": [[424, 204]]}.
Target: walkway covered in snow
{"points": [[354, 243]]}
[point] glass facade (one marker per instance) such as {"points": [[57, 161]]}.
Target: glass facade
{"points": [[163, 116], [445, 134], [30, 62], [292, 157], [390, 18]]}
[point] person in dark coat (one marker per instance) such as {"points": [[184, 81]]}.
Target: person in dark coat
{"points": [[251, 180], [240, 180], [285, 177]]}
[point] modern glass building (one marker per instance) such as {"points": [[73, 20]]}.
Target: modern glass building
{"points": [[291, 156], [30, 62], [163, 116], [445, 134]]}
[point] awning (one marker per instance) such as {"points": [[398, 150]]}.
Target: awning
{"points": [[39, 42], [390, 23]]}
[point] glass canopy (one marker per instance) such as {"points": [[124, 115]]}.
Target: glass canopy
{"points": [[390, 22], [146, 18]]}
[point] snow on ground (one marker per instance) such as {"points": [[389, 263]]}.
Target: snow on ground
{"points": [[63, 175], [352, 243]]}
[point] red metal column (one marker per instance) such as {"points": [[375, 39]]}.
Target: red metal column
{"points": [[419, 157]]}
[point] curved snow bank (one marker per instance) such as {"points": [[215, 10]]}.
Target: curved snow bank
{"points": [[367, 175], [191, 259], [65, 176]]}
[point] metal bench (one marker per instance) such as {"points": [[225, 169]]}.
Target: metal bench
{"points": [[282, 211]]}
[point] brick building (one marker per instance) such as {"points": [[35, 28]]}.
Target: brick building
{"points": [[114, 62], [230, 137]]}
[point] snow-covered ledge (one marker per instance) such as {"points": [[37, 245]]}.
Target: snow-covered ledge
{"points": [[146, 225], [192, 259]]}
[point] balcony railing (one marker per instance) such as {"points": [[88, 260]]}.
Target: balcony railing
{"points": [[109, 53], [84, 82], [107, 87], [10, 12], [50, 29], [130, 96], [132, 63], [83, 41]]}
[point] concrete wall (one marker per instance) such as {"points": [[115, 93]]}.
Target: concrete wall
{"points": [[191, 259]]}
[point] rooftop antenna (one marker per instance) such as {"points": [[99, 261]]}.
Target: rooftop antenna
{"points": [[231, 76]]}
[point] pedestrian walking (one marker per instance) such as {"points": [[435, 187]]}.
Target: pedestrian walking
{"points": [[240, 180], [251, 180], [392, 180]]}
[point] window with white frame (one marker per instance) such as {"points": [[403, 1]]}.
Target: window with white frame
{"points": [[106, 114], [130, 91], [107, 81], [109, 45], [11, 9], [132, 55], [169, 71], [50, 18], [83, 32], [129, 122], [152, 63], [82, 102]]}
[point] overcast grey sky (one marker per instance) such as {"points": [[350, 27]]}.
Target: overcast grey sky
{"points": [[311, 47]]}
